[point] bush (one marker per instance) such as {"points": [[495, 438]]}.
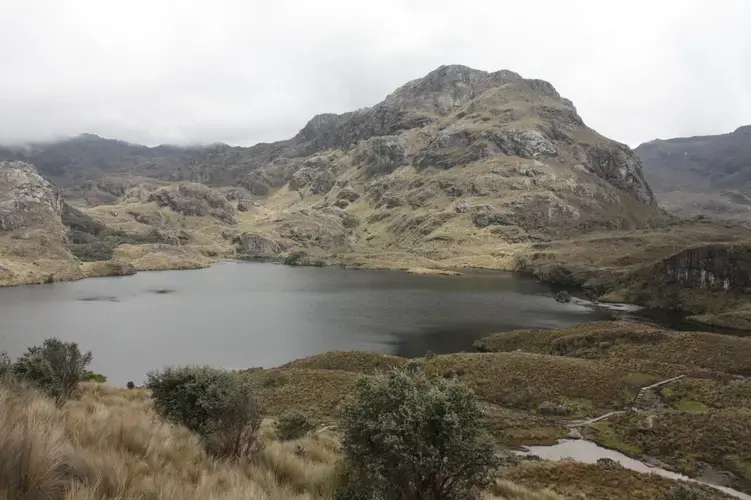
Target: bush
{"points": [[94, 377], [55, 367], [5, 364], [218, 405], [293, 424], [556, 409], [410, 437]]}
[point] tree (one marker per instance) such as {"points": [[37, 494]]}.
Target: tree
{"points": [[409, 437], [218, 405], [55, 367]]}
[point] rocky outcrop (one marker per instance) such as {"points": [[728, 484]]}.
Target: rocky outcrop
{"points": [[194, 199], [315, 174], [314, 228], [380, 155], [710, 267], [256, 246], [27, 199]]}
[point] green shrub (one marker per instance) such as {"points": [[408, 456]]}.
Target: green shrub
{"points": [[218, 405], [55, 367], [5, 364], [293, 424], [94, 377], [550, 408], [410, 437]]}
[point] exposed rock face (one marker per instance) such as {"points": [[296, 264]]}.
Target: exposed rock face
{"points": [[711, 267], [27, 199], [705, 175], [256, 246], [380, 155], [314, 228], [315, 174], [189, 198]]}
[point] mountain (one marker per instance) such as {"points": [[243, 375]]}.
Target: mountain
{"points": [[465, 136], [707, 175]]}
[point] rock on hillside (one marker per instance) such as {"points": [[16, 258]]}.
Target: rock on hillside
{"points": [[704, 175], [27, 199], [32, 236], [190, 198]]}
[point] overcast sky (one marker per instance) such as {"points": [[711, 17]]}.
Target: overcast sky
{"points": [[240, 72]]}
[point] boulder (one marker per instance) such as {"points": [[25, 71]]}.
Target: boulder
{"points": [[348, 194], [244, 205]]}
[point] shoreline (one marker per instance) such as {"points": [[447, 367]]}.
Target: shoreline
{"points": [[661, 317]]}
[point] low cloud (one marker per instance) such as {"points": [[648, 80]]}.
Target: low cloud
{"points": [[243, 72]]}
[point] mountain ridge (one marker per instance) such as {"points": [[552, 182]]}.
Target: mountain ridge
{"points": [[420, 103], [702, 175]]}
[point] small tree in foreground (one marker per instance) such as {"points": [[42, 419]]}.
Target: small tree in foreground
{"points": [[55, 367], [218, 405], [409, 437]]}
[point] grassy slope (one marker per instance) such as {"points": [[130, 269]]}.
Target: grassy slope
{"points": [[691, 422], [652, 347], [109, 444]]}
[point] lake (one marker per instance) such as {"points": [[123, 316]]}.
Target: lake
{"points": [[240, 315]]}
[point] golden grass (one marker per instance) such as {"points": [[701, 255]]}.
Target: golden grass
{"points": [[110, 445], [632, 341]]}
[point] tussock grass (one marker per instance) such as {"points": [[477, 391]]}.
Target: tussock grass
{"points": [[506, 490], [627, 341], [686, 440], [349, 361], [524, 380], [109, 444], [315, 392], [602, 480], [718, 394]]}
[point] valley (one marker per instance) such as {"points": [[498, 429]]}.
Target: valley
{"points": [[458, 169]]}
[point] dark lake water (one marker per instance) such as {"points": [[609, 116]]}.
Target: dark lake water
{"points": [[239, 315]]}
